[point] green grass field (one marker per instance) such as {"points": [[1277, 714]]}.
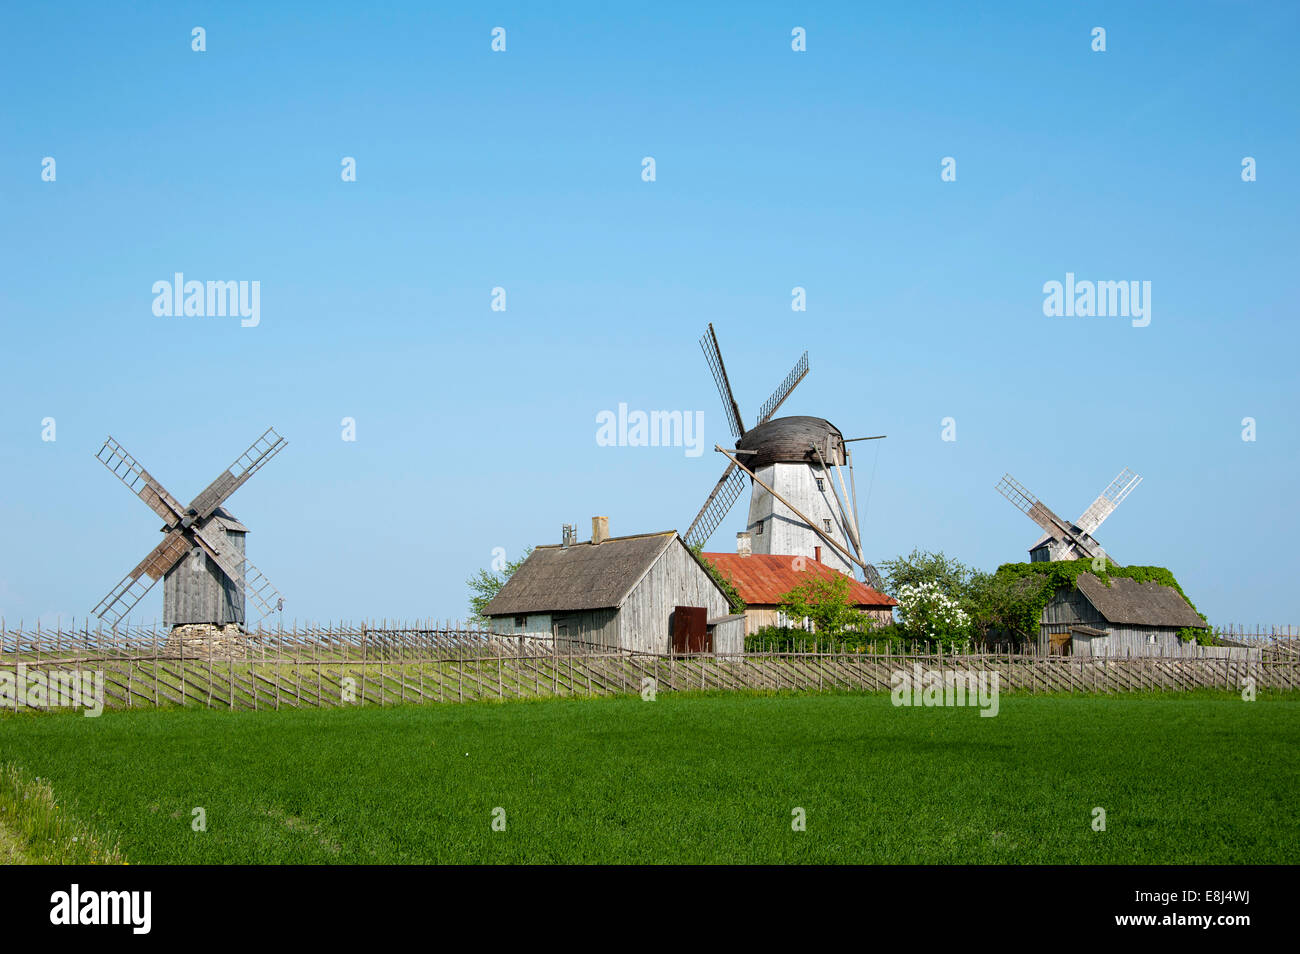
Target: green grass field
{"points": [[694, 778]]}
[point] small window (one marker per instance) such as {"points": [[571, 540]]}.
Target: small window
{"points": [[759, 530], [827, 525], [521, 621], [1151, 638], [821, 484]]}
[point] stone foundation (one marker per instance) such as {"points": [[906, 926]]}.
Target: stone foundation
{"points": [[207, 640]]}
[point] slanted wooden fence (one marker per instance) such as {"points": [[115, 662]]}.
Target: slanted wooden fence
{"points": [[322, 667]]}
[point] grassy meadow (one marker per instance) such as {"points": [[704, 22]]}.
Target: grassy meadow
{"points": [[1183, 778]]}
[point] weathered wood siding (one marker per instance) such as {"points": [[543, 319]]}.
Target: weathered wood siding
{"points": [[204, 595], [674, 579], [729, 637], [585, 630], [1067, 608], [537, 625], [1071, 608]]}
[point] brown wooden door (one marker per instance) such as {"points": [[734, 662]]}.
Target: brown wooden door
{"points": [[689, 626]]}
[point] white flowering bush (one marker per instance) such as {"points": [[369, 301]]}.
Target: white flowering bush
{"points": [[927, 612]]}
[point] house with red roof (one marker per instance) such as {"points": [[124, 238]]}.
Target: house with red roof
{"points": [[763, 578]]}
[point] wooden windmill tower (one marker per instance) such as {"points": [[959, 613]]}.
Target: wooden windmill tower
{"points": [[206, 577], [1062, 540], [800, 504]]}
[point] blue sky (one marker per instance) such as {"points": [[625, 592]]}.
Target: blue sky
{"points": [[476, 429]]}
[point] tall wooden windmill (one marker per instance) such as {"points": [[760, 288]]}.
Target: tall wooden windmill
{"points": [[795, 507], [211, 585], [1062, 540]]}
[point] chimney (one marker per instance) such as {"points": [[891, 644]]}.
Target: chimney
{"points": [[744, 543], [599, 529], [817, 554]]}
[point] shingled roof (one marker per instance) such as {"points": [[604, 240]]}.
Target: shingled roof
{"points": [[763, 578], [1138, 604], [581, 576]]}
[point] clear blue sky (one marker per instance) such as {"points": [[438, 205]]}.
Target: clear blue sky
{"points": [[476, 429]]}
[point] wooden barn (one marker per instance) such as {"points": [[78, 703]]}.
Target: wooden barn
{"points": [[647, 593], [763, 578], [1126, 618]]}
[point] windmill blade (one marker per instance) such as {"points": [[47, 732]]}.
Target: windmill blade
{"points": [[139, 481], [123, 597], [874, 579], [247, 578], [245, 466], [1080, 544], [1110, 498], [797, 374], [719, 503], [713, 355]]}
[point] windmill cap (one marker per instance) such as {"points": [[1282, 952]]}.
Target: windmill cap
{"points": [[790, 440]]}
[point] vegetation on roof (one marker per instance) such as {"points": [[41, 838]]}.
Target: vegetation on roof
{"points": [[1038, 582], [723, 580], [1010, 601]]}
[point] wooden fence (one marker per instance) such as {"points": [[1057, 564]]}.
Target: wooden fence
{"points": [[348, 666]]}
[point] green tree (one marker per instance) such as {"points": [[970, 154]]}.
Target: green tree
{"points": [[1003, 605], [485, 584], [825, 600], [921, 566]]}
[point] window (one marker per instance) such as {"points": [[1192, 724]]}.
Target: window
{"points": [[521, 622], [821, 484], [759, 530], [827, 525], [1151, 638]]}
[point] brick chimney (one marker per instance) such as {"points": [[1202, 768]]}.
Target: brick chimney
{"points": [[744, 543], [599, 529], [817, 554]]}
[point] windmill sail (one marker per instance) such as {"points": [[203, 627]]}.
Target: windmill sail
{"points": [[797, 374], [719, 503], [139, 481], [1108, 500], [245, 466], [713, 355], [123, 597]]}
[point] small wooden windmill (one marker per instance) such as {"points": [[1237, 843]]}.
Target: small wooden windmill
{"points": [[795, 507], [1061, 539], [210, 586]]}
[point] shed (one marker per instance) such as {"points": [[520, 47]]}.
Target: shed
{"points": [[1126, 618], [615, 593], [762, 579]]}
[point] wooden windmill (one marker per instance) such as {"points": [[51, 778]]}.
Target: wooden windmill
{"points": [[210, 586], [1061, 539], [795, 507]]}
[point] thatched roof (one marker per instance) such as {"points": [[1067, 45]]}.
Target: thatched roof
{"points": [[1138, 604], [581, 576]]}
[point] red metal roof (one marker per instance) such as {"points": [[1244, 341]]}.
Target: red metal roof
{"points": [[763, 578]]}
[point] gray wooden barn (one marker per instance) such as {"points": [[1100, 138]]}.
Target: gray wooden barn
{"points": [[1126, 618], [618, 592]]}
